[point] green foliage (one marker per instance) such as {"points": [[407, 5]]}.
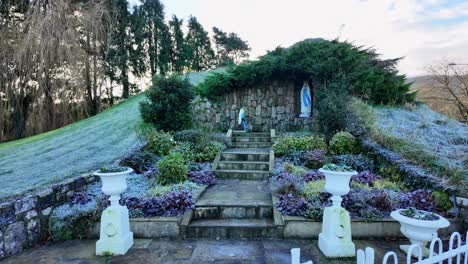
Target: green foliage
{"points": [[186, 150], [172, 169], [442, 200], [178, 51], [159, 190], [365, 75], [112, 169], [360, 186], [199, 53], [294, 170], [208, 151], [388, 185], [159, 143], [343, 143], [288, 145], [311, 190], [168, 108], [230, 47], [194, 137]]}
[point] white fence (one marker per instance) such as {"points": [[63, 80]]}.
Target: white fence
{"points": [[455, 254]]}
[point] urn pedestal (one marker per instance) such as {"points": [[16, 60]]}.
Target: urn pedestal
{"points": [[115, 236], [335, 239]]}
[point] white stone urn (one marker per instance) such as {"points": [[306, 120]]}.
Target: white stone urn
{"points": [[418, 231], [115, 236], [337, 183], [335, 239]]}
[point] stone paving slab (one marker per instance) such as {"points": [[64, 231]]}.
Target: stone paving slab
{"points": [[237, 192], [146, 251]]}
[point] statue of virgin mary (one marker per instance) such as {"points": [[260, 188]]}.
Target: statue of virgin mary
{"points": [[306, 100]]}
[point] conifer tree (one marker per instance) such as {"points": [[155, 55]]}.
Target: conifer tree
{"points": [[200, 54], [153, 12], [230, 47], [177, 55]]}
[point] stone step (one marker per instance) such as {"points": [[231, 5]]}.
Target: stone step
{"points": [[248, 134], [245, 155], [251, 139], [243, 174], [244, 165], [233, 212], [232, 228], [251, 144]]}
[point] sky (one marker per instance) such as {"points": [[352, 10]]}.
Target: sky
{"points": [[423, 31]]}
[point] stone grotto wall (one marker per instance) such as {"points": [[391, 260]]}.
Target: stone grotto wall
{"points": [[272, 105], [24, 219]]}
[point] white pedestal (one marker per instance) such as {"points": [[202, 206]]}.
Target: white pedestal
{"points": [[335, 239], [115, 235]]}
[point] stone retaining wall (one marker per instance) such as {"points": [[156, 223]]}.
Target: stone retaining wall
{"points": [[24, 218], [272, 105]]}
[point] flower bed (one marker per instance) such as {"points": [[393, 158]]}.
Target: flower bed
{"points": [[154, 209]]}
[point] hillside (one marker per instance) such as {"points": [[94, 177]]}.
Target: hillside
{"points": [[423, 84], [78, 148]]}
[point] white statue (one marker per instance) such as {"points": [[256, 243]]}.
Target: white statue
{"points": [[241, 120], [306, 101]]}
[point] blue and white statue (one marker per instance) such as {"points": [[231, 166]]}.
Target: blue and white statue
{"points": [[241, 120], [306, 101]]}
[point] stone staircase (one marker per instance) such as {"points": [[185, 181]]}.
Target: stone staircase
{"points": [[240, 204], [234, 209], [250, 157]]}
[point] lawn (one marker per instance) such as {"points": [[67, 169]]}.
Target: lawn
{"points": [[72, 150], [69, 151]]}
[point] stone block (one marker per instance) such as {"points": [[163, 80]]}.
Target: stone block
{"points": [[14, 238], [25, 204], [31, 214], [7, 214], [2, 249], [45, 199], [46, 212]]}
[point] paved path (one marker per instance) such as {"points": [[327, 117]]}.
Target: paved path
{"points": [[237, 192], [200, 251]]}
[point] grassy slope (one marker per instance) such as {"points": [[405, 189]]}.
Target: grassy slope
{"points": [[72, 150], [78, 148], [429, 139]]}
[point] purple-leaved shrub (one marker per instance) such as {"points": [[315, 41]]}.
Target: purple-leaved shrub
{"points": [[202, 177]]}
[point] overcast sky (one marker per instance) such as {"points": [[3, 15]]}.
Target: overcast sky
{"points": [[423, 31]]}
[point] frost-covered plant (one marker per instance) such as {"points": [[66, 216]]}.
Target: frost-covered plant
{"points": [[208, 151], [202, 177], [140, 161], [357, 162], [72, 221], [419, 215], [419, 199], [343, 143], [284, 182], [337, 168], [367, 203], [194, 137], [366, 177], [290, 204], [80, 198], [314, 159], [172, 169], [313, 176], [160, 190], [112, 169], [159, 143], [173, 203]]}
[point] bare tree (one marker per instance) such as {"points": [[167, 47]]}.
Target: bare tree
{"points": [[450, 82]]}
